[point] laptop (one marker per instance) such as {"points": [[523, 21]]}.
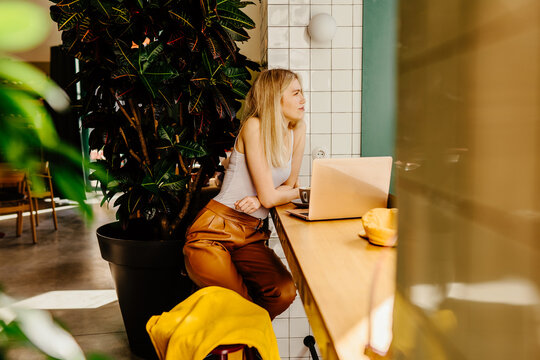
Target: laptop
{"points": [[347, 188]]}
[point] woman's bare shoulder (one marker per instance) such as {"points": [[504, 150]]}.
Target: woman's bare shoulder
{"points": [[252, 124], [251, 128], [250, 131]]}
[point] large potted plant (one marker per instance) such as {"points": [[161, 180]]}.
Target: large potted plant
{"points": [[162, 81]]}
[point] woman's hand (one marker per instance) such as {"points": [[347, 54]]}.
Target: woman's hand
{"points": [[248, 205]]}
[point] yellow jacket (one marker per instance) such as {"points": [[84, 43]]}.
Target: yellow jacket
{"points": [[211, 317]]}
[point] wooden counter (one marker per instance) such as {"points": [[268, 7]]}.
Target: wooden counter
{"points": [[334, 270]]}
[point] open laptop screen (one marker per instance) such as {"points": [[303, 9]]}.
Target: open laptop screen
{"points": [[348, 187]]}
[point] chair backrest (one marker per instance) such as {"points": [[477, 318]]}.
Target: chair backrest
{"points": [[13, 179], [43, 187], [14, 192]]}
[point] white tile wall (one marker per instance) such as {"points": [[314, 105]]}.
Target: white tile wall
{"points": [[343, 15], [321, 102], [342, 59], [292, 326], [299, 15], [299, 37], [278, 15], [342, 123], [278, 58], [342, 80], [331, 75], [343, 38], [299, 59], [321, 59], [342, 101], [321, 123], [321, 80], [279, 38]]}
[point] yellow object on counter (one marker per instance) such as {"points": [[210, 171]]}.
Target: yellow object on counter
{"points": [[380, 226], [210, 317]]}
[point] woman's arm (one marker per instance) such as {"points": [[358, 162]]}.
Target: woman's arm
{"points": [[260, 170], [298, 153]]}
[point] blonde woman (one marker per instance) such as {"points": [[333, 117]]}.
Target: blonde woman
{"points": [[226, 244]]}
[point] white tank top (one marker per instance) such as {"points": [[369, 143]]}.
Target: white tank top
{"points": [[237, 183]]}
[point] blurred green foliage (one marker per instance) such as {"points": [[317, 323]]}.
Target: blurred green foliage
{"points": [[37, 332], [26, 95]]}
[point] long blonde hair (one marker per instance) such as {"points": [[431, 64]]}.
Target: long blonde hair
{"points": [[264, 102]]}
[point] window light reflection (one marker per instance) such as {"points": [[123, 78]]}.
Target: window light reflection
{"points": [[69, 299]]}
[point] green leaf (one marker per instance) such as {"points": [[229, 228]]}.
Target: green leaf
{"points": [[213, 47], [166, 133], [150, 185], [222, 105], [237, 34], [71, 186], [240, 88], [68, 20], [163, 169], [22, 25], [196, 102], [176, 183], [31, 114], [234, 17], [120, 14], [183, 17], [190, 149], [240, 73], [226, 41], [84, 30], [30, 79], [120, 200], [235, 3], [149, 54], [96, 356], [152, 69], [122, 51], [208, 66], [113, 184], [104, 7], [134, 199]]}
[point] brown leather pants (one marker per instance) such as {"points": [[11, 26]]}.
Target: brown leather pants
{"points": [[225, 248]]}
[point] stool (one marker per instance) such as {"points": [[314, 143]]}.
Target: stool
{"points": [[224, 350]]}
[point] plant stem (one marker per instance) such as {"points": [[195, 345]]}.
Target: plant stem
{"points": [[189, 195], [127, 145], [156, 123], [180, 159], [130, 119], [138, 127]]}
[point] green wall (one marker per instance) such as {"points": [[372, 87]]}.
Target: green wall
{"points": [[379, 77]]}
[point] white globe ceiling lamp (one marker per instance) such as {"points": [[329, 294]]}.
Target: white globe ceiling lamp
{"points": [[322, 27]]}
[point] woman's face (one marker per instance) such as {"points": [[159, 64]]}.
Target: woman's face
{"points": [[292, 102]]}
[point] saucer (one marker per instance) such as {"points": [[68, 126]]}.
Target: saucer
{"points": [[300, 204]]}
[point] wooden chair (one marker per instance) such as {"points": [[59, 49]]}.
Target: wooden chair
{"points": [[47, 192], [15, 197]]}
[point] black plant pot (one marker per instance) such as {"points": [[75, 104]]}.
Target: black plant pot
{"points": [[148, 280]]}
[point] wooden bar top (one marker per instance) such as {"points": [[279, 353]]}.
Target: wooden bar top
{"points": [[334, 269]]}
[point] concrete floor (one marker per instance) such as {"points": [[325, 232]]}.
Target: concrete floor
{"points": [[67, 259]]}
